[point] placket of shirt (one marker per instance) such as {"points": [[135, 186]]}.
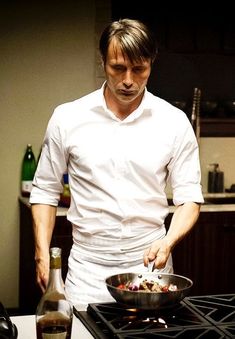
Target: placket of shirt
{"points": [[120, 170]]}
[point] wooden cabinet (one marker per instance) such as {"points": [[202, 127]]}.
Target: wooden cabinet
{"points": [[206, 255], [217, 127], [29, 292]]}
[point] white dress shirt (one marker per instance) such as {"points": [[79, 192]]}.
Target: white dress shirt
{"points": [[118, 171]]}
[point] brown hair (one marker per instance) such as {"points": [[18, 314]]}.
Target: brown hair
{"points": [[134, 38]]}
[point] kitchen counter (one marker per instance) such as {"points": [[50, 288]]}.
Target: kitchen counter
{"points": [[207, 207], [212, 208], [27, 329]]}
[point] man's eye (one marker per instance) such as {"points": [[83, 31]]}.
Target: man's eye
{"points": [[138, 69], [118, 68]]}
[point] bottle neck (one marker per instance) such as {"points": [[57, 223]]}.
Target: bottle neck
{"points": [[55, 280]]}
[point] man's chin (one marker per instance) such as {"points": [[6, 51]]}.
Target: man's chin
{"points": [[127, 98]]}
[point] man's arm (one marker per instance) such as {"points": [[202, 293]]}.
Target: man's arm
{"points": [[43, 225], [183, 220]]}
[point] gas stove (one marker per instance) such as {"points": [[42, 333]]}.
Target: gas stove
{"points": [[204, 317]]}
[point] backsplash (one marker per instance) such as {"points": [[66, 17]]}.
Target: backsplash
{"points": [[216, 150], [221, 151]]}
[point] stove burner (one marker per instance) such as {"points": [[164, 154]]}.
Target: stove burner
{"points": [[121, 318], [195, 317]]}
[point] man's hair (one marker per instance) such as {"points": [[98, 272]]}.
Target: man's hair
{"points": [[133, 37]]}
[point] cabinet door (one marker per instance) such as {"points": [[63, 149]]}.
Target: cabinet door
{"points": [[29, 292], [206, 254]]}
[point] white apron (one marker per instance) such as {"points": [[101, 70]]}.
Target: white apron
{"points": [[93, 258]]}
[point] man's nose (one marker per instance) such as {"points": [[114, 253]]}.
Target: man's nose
{"points": [[128, 80]]}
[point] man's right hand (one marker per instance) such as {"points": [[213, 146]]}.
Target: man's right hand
{"points": [[42, 272]]}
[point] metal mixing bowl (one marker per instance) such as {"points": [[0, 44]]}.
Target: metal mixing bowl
{"points": [[148, 300]]}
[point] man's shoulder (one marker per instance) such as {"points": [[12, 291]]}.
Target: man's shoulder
{"points": [[87, 100], [165, 113], [159, 104]]}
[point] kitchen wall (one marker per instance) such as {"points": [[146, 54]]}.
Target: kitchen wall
{"points": [[221, 151], [48, 55]]}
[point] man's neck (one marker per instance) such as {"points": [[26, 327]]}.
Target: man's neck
{"points": [[120, 109]]}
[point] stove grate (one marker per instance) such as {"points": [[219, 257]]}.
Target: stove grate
{"points": [[179, 333], [217, 309], [203, 317]]}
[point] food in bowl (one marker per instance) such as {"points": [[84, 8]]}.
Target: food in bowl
{"points": [[147, 286], [143, 299]]}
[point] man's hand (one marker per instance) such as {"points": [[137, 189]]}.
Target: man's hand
{"points": [[159, 252], [42, 272]]}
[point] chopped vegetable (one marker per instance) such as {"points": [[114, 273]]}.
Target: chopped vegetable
{"points": [[148, 286]]}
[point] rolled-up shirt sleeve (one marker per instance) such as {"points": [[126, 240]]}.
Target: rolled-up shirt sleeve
{"points": [[184, 168], [48, 179]]}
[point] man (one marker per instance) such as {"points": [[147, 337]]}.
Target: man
{"points": [[120, 145]]}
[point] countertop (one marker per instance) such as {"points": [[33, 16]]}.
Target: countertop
{"points": [[208, 207], [27, 328]]}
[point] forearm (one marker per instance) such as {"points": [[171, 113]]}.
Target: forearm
{"points": [[183, 220], [43, 225]]}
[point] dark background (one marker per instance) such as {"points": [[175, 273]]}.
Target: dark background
{"points": [[196, 47]]}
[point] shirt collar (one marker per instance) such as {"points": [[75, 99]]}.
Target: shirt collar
{"points": [[144, 107]]}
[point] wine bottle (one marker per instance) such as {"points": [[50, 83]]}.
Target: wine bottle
{"points": [[54, 313], [27, 171]]}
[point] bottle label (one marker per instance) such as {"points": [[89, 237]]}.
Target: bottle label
{"points": [[55, 332], [26, 186]]}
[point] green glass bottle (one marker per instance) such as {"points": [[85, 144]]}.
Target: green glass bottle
{"points": [[27, 171]]}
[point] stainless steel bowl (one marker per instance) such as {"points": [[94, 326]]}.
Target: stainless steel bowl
{"points": [[148, 300]]}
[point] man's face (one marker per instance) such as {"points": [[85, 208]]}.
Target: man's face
{"points": [[125, 80]]}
